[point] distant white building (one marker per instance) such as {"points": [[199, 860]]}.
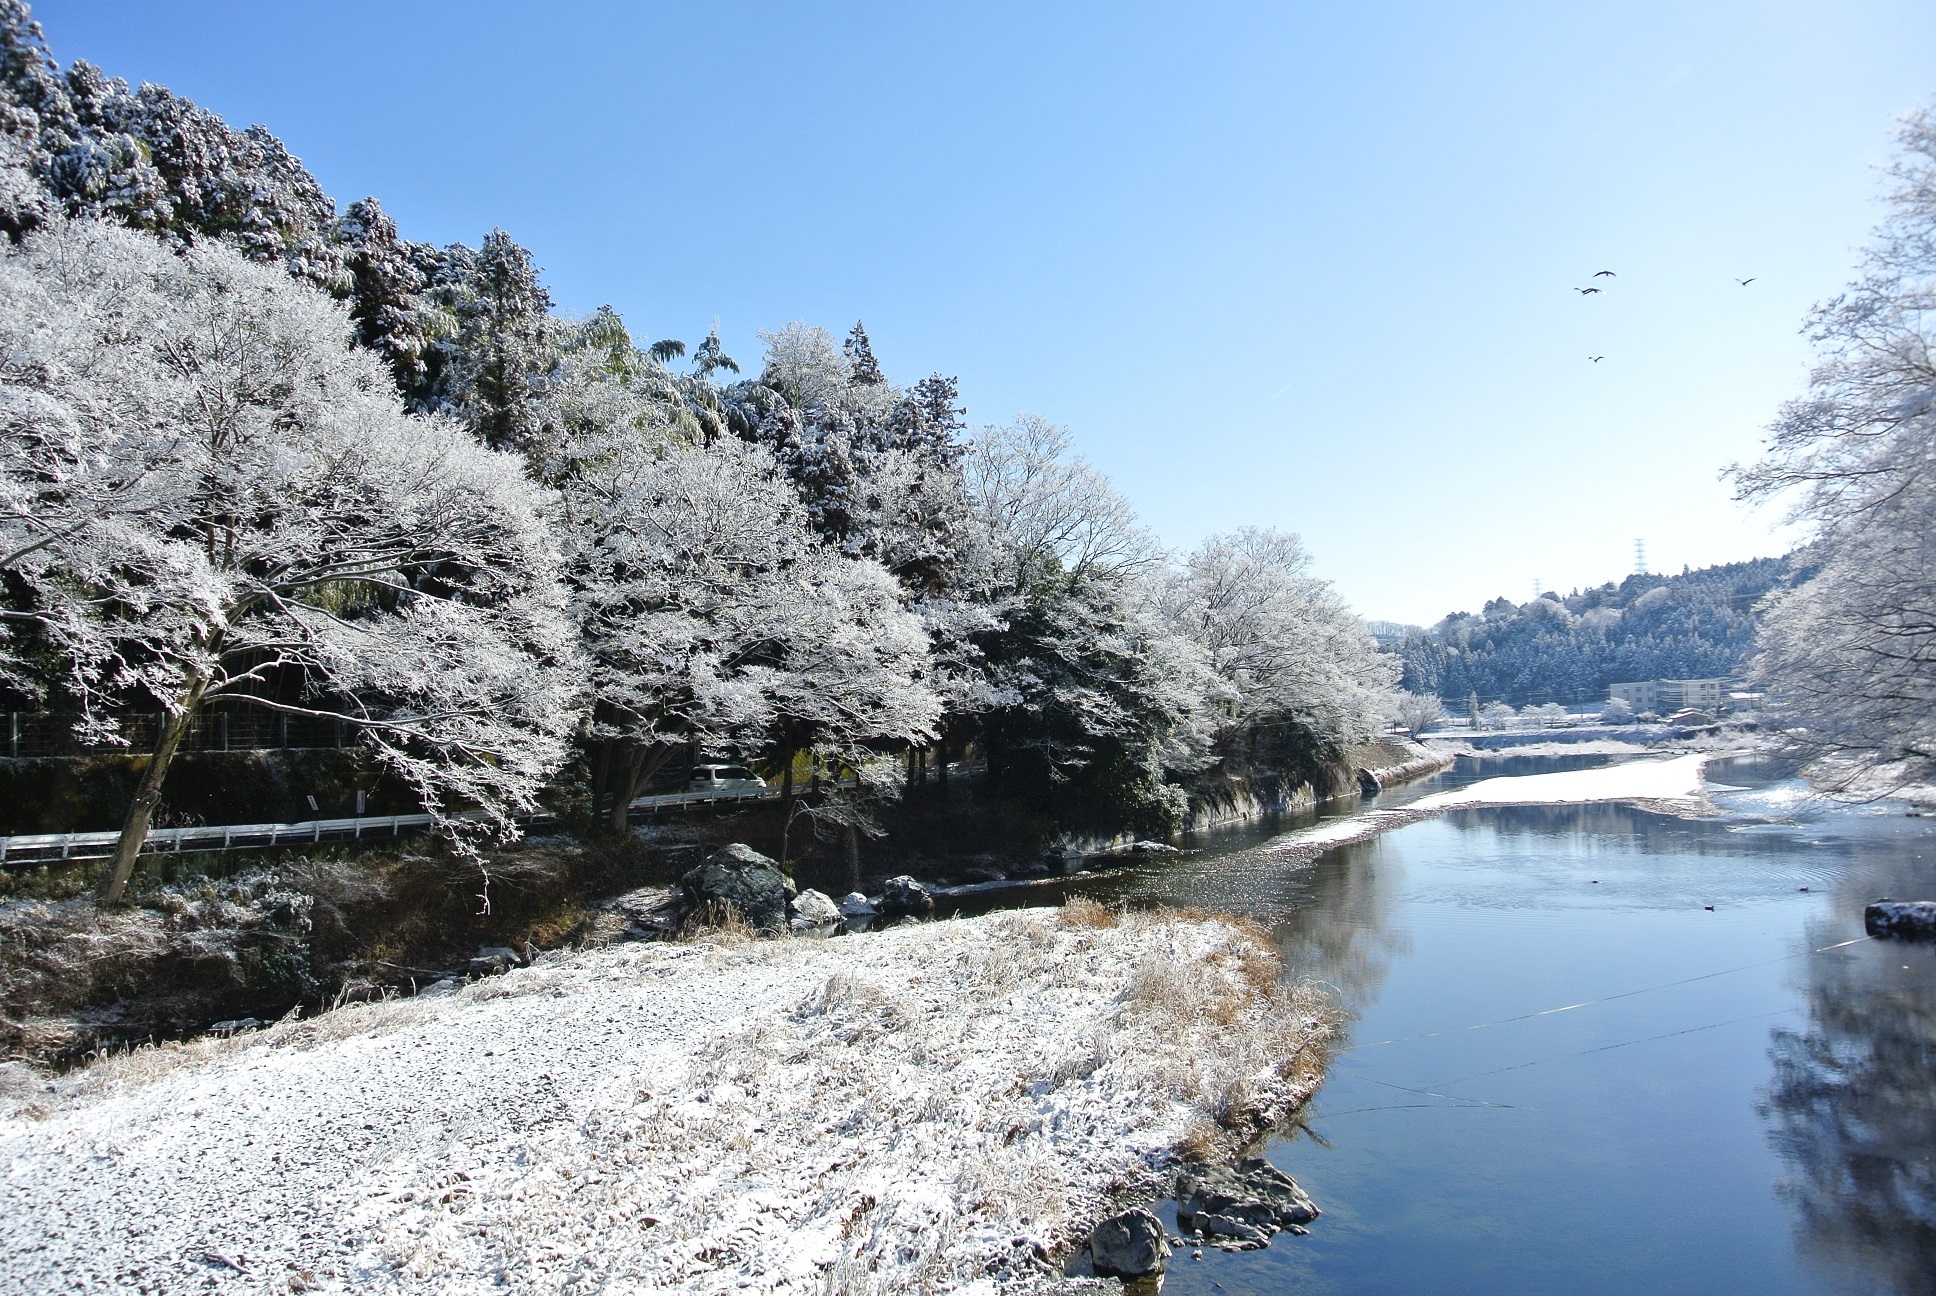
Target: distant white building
{"points": [[1664, 696]]}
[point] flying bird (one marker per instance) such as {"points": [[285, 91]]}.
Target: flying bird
{"points": [[1586, 292], [1605, 274], [1745, 282], [1596, 359]]}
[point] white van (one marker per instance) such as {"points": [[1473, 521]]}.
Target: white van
{"points": [[726, 781]]}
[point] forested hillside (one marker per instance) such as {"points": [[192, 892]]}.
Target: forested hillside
{"points": [[1696, 625], [260, 453]]}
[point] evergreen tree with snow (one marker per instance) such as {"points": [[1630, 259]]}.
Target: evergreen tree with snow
{"points": [[494, 365], [862, 368]]}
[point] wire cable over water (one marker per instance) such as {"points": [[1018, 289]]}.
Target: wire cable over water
{"points": [[1455, 1102], [1625, 994]]}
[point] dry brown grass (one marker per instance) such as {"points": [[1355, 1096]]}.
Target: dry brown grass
{"points": [[716, 922], [1079, 911]]}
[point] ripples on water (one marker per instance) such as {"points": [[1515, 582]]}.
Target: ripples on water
{"points": [[1769, 1129]]}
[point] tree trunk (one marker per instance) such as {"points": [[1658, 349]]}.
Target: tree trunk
{"points": [[941, 767], [786, 809], [635, 771], [850, 842], [134, 829], [601, 778]]}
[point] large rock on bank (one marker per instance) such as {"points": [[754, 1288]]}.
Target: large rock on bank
{"points": [[740, 876], [1129, 1245]]}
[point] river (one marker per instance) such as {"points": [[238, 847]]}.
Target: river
{"points": [[1565, 1072]]}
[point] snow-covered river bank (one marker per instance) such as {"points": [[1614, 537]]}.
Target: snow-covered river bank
{"points": [[929, 1105]]}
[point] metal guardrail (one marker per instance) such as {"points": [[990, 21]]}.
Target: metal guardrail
{"points": [[46, 848]]}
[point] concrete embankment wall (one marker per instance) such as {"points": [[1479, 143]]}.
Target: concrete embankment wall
{"points": [[1235, 800]]}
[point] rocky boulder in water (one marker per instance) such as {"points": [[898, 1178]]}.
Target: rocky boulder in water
{"points": [[1229, 1201], [904, 897], [813, 911], [855, 905], [1902, 919], [740, 876], [1129, 1245]]}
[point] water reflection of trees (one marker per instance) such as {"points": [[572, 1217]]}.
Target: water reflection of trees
{"points": [[1851, 1106], [1339, 929], [1650, 832]]}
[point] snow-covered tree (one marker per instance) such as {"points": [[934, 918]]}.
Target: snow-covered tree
{"points": [[862, 368], [1045, 514], [1100, 707], [387, 275], [206, 494], [1849, 653], [714, 615], [1497, 715], [1090, 699], [1417, 712], [1285, 644], [1543, 715]]}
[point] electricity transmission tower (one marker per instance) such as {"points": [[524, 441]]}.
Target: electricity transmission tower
{"points": [[1640, 557]]}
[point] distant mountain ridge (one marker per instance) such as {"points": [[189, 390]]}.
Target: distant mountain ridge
{"points": [[1697, 625]]}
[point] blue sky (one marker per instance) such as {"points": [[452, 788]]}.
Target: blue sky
{"points": [[1300, 266]]}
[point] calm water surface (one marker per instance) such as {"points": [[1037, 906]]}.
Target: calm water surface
{"points": [[1727, 1112]]}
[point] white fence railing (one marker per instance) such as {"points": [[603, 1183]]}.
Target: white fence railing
{"points": [[43, 848]]}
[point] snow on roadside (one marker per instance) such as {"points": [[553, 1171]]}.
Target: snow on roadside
{"points": [[1675, 784], [915, 1109]]}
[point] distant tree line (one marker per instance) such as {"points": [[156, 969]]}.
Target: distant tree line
{"points": [[259, 451], [1698, 625]]}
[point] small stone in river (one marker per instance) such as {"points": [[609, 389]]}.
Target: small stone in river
{"points": [[1253, 1192], [1226, 1227]]}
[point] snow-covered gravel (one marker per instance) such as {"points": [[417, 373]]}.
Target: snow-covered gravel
{"points": [[917, 1109]]}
